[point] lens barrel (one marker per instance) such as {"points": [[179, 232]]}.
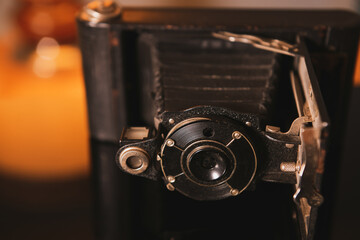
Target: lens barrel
{"points": [[208, 158]]}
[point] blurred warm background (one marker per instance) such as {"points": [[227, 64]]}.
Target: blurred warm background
{"points": [[44, 150], [43, 122]]}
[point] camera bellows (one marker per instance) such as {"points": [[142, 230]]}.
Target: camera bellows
{"points": [[192, 70]]}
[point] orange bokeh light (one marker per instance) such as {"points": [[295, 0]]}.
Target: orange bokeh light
{"points": [[43, 121], [357, 69]]}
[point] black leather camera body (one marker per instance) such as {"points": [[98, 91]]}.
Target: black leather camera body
{"points": [[239, 111]]}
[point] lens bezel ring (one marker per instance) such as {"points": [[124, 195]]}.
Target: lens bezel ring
{"points": [[206, 144]]}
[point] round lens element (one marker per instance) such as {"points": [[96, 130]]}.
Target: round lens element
{"points": [[208, 164]]}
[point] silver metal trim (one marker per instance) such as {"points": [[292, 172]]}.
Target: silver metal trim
{"points": [[269, 44]]}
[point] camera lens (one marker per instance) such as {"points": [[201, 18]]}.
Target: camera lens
{"points": [[208, 164], [207, 159]]}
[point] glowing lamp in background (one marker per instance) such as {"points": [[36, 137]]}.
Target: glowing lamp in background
{"points": [[43, 123], [49, 18]]}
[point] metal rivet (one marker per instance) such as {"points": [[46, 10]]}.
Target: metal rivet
{"points": [[248, 124], [171, 121], [170, 143], [170, 187], [171, 179], [289, 145], [236, 135], [234, 192]]}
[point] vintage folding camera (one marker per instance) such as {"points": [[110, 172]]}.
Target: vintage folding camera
{"points": [[214, 104]]}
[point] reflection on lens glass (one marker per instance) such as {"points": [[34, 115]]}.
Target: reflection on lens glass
{"points": [[208, 164]]}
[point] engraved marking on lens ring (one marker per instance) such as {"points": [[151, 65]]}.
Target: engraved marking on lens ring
{"points": [[204, 147], [134, 160]]}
